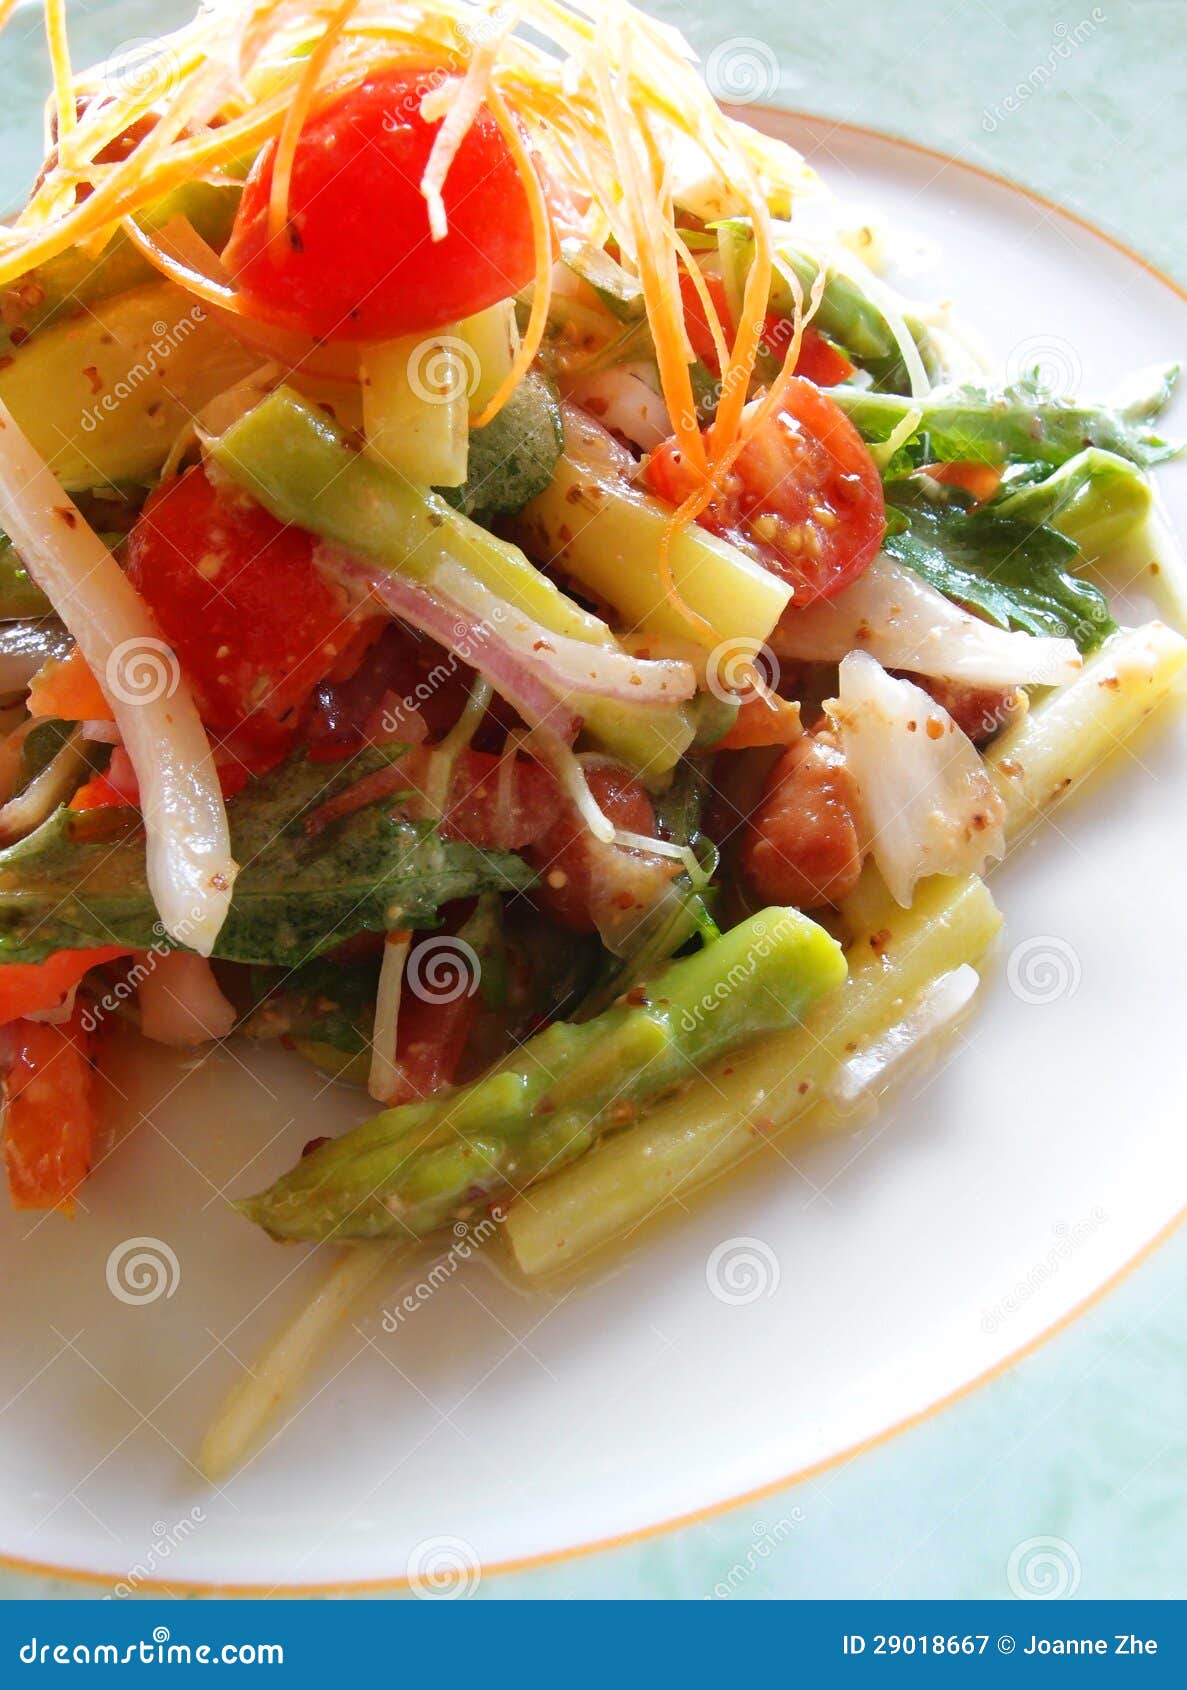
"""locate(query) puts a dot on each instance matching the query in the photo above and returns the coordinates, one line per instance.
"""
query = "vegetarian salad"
(502, 596)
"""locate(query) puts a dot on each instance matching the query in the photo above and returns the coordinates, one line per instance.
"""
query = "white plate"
(912, 1259)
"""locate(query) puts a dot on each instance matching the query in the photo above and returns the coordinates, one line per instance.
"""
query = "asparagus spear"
(413, 1168)
(301, 468)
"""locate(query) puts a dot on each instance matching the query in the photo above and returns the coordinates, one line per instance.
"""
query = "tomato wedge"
(803, 496)
(27, 987)
(238, 597)
(356, 260)
(50, 1123)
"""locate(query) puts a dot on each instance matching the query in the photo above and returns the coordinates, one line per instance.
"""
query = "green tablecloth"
(1085, 1440)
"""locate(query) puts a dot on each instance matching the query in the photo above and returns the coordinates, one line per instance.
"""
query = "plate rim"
(761, 116)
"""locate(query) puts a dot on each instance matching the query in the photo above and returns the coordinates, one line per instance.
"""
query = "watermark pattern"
(142, 1270)
(141, 671)
(1068, 1239)
(443, 970)
(442, 369)
(167, 337)
(467, 1241)
(1067, 39)
(166, 1539)
(742, 70)
(444, 1567)
(741, 1270)
(1043, 1568)
(142, 68)
(1051, 361)
(1043, 970)
(465, 642)
(739, 669)
(765, 1541)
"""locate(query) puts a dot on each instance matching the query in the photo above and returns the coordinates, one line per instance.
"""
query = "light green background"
(1085, 1441)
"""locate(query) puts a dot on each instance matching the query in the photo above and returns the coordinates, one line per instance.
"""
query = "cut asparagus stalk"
(413, 1168)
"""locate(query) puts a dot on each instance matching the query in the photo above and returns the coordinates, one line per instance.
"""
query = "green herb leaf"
(513, 457)
(79, 879)
(1016, 574)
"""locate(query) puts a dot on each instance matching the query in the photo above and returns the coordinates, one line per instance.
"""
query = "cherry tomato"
(238, 597)
(803, 496)
(356, 260)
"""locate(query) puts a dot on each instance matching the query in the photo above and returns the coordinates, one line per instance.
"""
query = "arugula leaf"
(79, 879)
(513, 457)
(1022, 423)
(1016, 574)
(332, 1003)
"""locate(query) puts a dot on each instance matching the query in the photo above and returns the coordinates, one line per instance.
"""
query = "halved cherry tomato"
(356, 260)
(50, 1124)
(237, 595)
(27, 987)
(804, 496)
(979, 481)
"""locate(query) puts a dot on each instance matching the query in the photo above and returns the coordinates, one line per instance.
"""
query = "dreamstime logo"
(166, 1539)
(1049, 359)
(1043, 1568)
(444, 1567)
(141, 69)
(1043, 970)
(442, 369)
(766, 936)
(466, 638)
(167, 337)
(1067, 1240)
(1066, 40)
(444, 970)
(741, 1270)
(467, 1241)
(742, 70)
(142, 1270)
(740, 669)
(765, 1541)
(142, 671)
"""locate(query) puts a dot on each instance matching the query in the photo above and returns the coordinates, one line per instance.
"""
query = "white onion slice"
(927, 804)
(623, 400)
(190, 867)
(180, 1001)
(893, 614)
(889, 1056)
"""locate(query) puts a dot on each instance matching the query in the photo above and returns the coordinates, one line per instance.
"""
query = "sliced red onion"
(455, 628)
